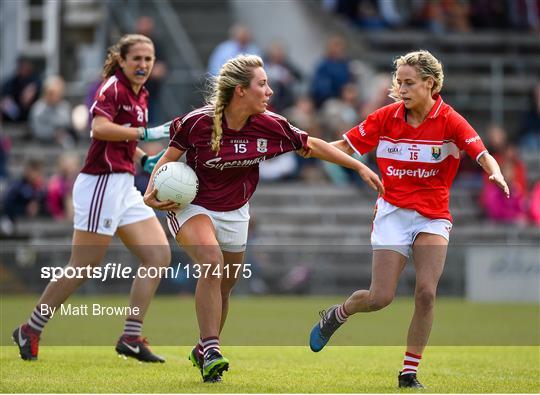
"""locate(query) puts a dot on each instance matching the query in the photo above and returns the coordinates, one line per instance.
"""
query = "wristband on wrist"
(142, 132)
(144, 158)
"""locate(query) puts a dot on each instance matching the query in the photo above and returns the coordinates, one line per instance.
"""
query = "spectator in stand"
(5, 146)
(145, 26)
(368, 16)
(497, 140)
(240, 42)
(396, 13)
(498, 207)
(428, 15)
(60, 187)
(304, 115)
(378, 98)
(50, 116)
(24, 197)
(504, 152)
(527, 14)
(342, 113)
(20, 91)
(457, 15)
(490, 14)
(534, 204)
(284, 76)
(332, 72)
(529, 131)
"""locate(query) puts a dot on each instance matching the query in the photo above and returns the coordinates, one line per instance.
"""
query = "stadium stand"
(321, 228)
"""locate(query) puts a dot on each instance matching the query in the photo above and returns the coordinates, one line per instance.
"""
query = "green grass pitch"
(475, 348)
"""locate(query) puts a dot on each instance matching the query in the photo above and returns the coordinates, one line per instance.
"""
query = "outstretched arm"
(103, 129)
(491, 167)
(322, 150)
(342, 145)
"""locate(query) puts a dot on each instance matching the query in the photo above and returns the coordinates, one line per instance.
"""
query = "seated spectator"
(368, 16)
(378, 89)
(511, 210)
(338, 116)
(50, 116)
(501, 209)
(342, 113)
(491, 14)
(20, 91)
(283, 77)
(283, 167)
(303, 116)
(5, 146)
(24, 197)
(534, 204)
(498, 146)
(332, 72)
(240, 42)
(145, 25)
(529, 131)
(430, 16)
(457, 15)
(395, 13)
(60, 187)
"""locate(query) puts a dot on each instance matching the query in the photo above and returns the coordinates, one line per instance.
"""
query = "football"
(177, 182)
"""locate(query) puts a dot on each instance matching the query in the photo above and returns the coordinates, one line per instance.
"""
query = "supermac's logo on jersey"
(436, 152)
(262, 145)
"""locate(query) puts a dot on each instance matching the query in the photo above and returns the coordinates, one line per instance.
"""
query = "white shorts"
(231, 226)
(106, 202)
(396, 228)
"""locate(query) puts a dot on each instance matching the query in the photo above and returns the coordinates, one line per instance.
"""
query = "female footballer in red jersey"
(224, 142)
(105, 199)
(418, 140)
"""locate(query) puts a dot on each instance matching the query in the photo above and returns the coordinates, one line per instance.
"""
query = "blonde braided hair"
(237, 71)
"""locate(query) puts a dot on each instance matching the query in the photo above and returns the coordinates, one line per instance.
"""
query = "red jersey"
(418, 165)
(116, 101)
(228, 180)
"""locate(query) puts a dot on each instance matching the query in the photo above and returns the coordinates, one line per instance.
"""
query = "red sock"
(410, 363)
(341, 314)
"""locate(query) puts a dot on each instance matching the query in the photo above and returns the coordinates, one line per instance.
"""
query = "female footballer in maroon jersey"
(224, 143)
(106, 201)
(418, 140)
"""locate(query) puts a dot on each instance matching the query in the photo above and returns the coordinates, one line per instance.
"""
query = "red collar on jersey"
(125, 81)
(434, 113)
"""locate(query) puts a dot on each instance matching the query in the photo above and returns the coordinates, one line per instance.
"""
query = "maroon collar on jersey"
(434, 112)
(125, 81)
(224, 124)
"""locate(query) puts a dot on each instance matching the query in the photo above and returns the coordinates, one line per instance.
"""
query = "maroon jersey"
(116, 101)
(227, 180)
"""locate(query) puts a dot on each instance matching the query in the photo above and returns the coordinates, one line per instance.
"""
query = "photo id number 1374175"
(227, 271)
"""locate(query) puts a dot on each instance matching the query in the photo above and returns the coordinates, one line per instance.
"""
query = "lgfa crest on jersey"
(436, 152)
(262, 145)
